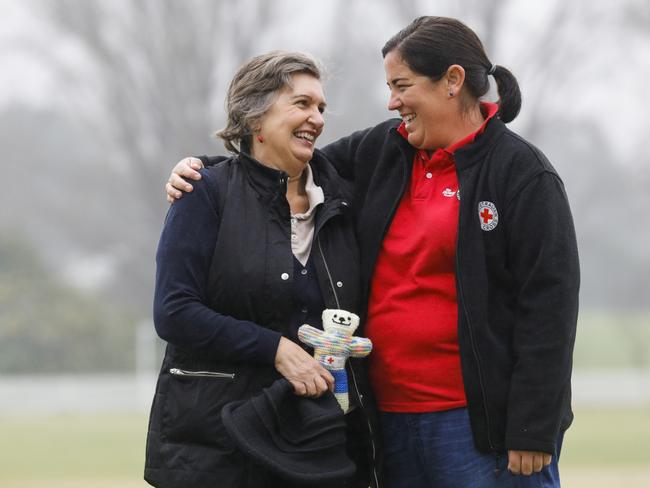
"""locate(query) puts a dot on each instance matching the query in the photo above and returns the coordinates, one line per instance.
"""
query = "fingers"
(316, 387)
(176, 185)
(527, 462)
(299, 388)
(172, 193)
(514, 462)
(311, 389)
(321, 381)
(329, 379)
(310, 376)
(187, 168)
(179, 183)
(306, 375)
(547, 458)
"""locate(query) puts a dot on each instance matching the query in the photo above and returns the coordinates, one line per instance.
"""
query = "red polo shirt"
(412, 310)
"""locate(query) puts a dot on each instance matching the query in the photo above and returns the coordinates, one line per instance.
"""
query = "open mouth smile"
(307, 136)
(408, 118)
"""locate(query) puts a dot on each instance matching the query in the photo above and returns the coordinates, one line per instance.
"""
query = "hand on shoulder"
(176, 184)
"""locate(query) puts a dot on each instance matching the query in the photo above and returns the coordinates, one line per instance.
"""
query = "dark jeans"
(436, 450)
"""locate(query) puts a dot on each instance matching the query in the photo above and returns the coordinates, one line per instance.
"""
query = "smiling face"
(423, 104)
(291, 126)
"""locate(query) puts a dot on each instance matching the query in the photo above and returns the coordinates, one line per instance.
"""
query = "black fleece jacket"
(517, 283)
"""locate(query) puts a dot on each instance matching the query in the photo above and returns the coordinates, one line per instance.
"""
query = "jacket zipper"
(203, 374)
(354, 378)
(472, 341)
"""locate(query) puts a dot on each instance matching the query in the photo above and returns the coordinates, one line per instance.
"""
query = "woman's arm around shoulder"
(348, 153)
(187, 169)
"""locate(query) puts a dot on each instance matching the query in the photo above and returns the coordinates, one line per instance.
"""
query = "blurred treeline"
(131, 86)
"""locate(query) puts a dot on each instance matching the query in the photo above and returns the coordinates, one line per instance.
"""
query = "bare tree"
(156, 68)
(145, 82)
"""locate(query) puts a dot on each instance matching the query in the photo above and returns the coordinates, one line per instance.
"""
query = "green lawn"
(103, 451)
(614, 438)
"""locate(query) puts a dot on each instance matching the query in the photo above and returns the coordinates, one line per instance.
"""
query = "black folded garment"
(300, 439)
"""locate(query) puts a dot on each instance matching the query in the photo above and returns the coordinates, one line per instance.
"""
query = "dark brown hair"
(430, 45)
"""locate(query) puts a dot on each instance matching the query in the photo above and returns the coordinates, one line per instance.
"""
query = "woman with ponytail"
(470, 270)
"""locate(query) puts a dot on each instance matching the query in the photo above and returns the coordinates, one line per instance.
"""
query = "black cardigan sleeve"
(181, 315)
(544, 258)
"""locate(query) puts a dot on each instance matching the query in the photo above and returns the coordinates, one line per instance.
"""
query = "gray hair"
(253, 89)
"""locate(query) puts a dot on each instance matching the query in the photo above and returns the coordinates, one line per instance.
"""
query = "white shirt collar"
(315, 195)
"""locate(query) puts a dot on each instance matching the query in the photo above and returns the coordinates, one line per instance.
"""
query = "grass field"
(604, 448)
(612, 340)
(97, 451)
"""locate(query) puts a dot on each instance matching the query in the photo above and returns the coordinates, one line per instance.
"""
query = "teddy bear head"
(335, 319)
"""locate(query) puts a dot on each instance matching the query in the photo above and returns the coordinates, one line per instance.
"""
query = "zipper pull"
(203, 374)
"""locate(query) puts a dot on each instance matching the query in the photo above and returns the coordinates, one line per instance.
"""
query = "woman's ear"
(455, 77)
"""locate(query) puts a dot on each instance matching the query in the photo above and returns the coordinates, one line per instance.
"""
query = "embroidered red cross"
(487, 216)
(330, 359)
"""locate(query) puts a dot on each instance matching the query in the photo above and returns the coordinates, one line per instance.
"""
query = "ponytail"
(509, 93)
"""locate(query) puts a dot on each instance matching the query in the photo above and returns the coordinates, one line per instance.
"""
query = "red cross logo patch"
(488, 215)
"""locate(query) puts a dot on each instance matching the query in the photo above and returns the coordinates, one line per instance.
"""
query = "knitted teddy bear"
(334, 344)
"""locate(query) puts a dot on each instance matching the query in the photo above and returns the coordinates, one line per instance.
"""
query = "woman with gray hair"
(262, 245)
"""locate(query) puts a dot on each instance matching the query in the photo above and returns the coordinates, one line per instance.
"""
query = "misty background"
(100, 98)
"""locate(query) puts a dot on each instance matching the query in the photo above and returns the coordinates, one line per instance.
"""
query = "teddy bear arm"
(311, 336)
(360, 347)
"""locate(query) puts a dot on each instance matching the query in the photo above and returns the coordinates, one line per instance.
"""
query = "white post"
(145, 363)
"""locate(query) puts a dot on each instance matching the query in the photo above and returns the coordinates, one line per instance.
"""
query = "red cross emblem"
(330, 359)
(488, 215)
